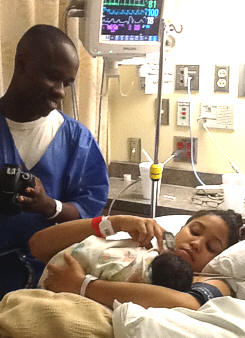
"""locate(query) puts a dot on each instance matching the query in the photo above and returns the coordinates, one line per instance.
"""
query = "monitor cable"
(120, 193)
(73, 11)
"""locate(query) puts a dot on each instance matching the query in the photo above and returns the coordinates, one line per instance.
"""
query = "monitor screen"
(121, 28)
(130, 20)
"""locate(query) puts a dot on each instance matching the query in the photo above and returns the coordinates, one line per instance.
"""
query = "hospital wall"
(213, 34)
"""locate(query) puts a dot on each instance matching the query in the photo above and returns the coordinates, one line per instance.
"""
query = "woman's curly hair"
(232, 219)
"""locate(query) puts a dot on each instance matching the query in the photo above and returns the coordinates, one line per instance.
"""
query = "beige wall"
(213, 34)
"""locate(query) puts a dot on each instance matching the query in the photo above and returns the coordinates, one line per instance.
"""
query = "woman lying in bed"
(205, 235)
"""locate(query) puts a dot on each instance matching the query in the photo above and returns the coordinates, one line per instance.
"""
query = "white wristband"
(106, 228)
(58, 209)
(85, 283)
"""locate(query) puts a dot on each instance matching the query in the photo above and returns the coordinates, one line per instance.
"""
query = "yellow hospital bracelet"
(85, 283)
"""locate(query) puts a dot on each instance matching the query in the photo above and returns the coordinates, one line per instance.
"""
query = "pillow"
(172, 223)
(231, 263)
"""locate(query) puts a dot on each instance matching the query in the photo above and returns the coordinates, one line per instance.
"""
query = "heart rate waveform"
(123, 11)
(127, 21)
(137, 12)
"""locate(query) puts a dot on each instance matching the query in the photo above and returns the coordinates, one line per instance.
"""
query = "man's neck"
(14, 111)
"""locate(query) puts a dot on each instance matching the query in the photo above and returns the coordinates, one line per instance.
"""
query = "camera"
(13, 182)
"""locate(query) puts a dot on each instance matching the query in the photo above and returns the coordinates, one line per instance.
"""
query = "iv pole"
(156, 169)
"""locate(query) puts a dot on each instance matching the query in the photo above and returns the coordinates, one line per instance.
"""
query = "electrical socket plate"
(134, 149)
(181, 74)
(221, 79)
(184, 143)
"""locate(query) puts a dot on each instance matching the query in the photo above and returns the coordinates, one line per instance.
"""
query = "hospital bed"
(42, 313)
(220, 317)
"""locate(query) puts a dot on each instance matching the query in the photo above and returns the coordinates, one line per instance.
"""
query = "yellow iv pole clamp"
(156, 172)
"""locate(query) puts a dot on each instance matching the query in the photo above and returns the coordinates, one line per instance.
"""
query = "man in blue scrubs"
(71, 179)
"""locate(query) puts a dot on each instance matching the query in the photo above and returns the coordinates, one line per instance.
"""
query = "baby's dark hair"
(171, 271)
(232, 219)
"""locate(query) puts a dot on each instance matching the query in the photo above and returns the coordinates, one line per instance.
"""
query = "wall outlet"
(134, 149)
(221, 79)
(184, 144)
(181, 74)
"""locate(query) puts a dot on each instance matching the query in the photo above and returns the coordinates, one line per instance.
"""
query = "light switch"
(134, 149)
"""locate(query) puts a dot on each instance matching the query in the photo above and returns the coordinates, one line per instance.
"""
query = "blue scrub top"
(71, 170)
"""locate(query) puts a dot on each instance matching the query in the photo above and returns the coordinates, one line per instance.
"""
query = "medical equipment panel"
(184, 144)
(183, 113)
(182, 74)
(218, 116)
(121, 27)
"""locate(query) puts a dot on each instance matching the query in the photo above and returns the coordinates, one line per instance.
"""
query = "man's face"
(45, 78)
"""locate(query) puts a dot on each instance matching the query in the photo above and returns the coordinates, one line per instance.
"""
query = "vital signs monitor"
(121, 29)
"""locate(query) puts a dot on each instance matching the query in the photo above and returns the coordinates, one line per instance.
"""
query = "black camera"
(13, 182)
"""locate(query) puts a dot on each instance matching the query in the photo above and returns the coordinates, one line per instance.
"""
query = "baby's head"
(171, 271)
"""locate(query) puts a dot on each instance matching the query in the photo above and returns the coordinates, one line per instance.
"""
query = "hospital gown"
(72, 170)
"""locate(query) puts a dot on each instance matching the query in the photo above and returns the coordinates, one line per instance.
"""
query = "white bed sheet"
(218, 318)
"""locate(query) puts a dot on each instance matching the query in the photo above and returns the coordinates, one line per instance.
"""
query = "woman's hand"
(67, 278)
(140, 229)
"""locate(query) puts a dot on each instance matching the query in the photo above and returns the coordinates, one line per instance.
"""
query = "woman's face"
(203, 238)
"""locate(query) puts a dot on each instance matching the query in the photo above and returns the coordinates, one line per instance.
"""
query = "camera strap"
(4, 253)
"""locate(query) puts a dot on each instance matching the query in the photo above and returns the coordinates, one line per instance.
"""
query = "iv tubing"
(190, 125)
(73, 89)
(100, 102)
(119, 194)
(233, 165)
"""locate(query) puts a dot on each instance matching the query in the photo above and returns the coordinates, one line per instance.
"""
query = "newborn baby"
(124, 260)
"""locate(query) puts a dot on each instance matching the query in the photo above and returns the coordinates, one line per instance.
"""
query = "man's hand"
(36, 200)
(67, 278)
(140, 229)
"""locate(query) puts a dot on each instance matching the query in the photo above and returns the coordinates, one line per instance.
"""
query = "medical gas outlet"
(183, 113)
